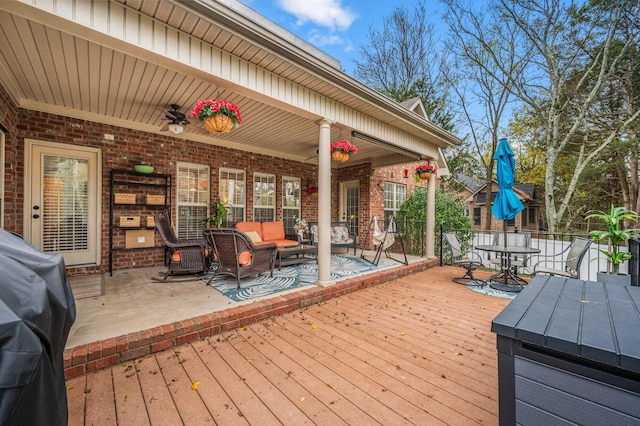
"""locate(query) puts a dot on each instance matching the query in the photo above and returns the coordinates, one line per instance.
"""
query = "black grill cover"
(36, 313)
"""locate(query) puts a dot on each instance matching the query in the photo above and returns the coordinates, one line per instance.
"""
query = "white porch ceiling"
(78, 72)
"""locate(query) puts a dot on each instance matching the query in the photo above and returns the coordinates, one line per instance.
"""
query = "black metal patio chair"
(459, 258)
(568, 267)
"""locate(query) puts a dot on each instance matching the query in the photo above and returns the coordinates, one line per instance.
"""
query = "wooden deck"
(417, 350)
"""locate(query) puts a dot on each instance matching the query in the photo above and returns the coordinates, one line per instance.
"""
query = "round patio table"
(507, 279)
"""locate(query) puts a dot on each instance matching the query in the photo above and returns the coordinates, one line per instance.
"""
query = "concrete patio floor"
(416, 349)
(139, 299)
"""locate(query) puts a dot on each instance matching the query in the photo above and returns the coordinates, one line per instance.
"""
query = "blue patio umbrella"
(507, 205)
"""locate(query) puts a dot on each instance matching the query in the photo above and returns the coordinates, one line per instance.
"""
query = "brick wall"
(131, 147)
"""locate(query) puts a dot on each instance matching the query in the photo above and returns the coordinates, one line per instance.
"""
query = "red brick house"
(87, 88)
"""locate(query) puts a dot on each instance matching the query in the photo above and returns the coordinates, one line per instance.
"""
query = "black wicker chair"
(236, 254)
(182, 255)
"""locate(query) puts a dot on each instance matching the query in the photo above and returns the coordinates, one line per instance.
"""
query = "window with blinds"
(290, 202)
(264, 197)
(192, 187)
(65, 204)
(232, 195)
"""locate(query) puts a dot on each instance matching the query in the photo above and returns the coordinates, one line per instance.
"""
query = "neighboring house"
(527, 219)
(86, 87)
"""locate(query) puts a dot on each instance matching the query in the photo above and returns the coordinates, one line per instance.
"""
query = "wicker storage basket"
(155, 199)
(129, 221)
(151, 222)
(120, 198)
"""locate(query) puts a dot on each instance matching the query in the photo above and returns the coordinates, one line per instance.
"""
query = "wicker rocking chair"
(237, 255)
(182, 255)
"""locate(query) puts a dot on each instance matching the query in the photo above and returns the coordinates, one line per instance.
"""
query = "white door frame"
(342, 215)
(32, 234)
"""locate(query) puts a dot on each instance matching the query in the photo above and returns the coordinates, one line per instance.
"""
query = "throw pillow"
(244, 258)
(254, 236)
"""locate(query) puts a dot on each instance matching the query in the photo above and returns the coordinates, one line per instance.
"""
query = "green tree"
(449, 215)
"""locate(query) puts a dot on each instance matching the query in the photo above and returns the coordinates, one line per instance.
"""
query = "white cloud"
(326, 13)
(322, 39)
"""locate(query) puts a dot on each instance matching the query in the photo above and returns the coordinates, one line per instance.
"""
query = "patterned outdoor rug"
(290, 277)
(487, 290)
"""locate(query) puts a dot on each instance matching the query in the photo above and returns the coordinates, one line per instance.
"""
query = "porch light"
(175, 128)
(406, 173)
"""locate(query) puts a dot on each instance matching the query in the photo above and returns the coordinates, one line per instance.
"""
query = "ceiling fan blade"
(165, 128)
(315, 155)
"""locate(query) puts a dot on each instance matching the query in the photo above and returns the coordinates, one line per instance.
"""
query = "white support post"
(324, 204)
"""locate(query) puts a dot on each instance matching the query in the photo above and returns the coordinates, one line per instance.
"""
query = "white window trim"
(227, 202)
(275, 195)
(179, 204)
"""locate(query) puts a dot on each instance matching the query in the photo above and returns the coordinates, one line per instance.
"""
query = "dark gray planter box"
(569, 353)
(617, 279)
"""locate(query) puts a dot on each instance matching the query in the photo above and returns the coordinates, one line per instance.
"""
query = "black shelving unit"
(140, 184)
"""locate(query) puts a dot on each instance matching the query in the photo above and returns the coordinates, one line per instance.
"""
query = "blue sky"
(337, 27)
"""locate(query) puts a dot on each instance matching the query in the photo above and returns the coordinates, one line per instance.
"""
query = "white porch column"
(431, 215)
(324, 204)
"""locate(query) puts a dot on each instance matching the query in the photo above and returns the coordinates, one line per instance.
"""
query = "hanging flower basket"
(424, 172)
(342, 150)
(218, 123)
(339, 156)
(218, 115)
(313, 191)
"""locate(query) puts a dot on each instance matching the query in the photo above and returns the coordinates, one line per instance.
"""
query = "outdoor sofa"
(268, 232)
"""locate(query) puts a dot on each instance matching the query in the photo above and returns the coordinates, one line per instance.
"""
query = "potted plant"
(424, 171)
(342, 150)
(614, 235)
(219, 212)
(218, 115)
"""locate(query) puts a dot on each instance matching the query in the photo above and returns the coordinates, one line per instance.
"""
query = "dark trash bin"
(36, 313)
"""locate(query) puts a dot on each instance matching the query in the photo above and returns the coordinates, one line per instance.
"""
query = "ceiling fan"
(177, 120)
(314, 155)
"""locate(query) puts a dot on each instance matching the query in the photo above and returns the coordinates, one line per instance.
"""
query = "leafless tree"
(565, 57)
(481, 88)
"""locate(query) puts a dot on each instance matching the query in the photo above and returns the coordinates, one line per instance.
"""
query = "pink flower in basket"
(344, 146)
(210, 107)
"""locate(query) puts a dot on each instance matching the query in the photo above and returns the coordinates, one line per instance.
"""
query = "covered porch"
(99, 77)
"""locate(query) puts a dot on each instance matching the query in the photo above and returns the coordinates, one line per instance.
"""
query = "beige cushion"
(255, 237)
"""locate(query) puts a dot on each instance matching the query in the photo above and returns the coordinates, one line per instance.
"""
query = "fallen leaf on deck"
(194, 385)
(313, 325)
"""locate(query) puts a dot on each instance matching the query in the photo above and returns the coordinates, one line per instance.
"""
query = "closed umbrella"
(507, 205)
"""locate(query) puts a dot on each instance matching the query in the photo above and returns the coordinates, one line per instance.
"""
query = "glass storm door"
(62, 214)
(350, 205)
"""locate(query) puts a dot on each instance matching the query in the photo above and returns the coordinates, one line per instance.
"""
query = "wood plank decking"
(416, 350)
